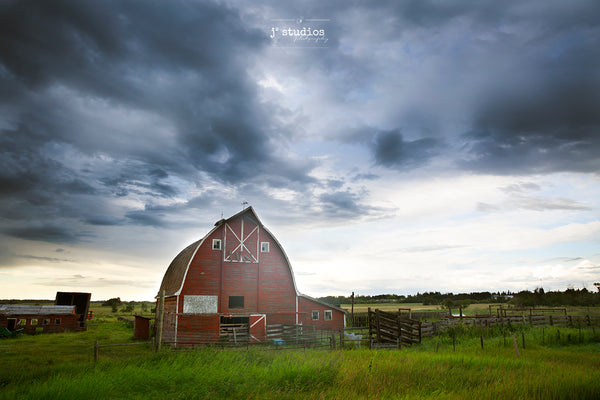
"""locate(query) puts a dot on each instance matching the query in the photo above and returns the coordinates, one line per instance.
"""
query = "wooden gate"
(393, 329)
(258, 327)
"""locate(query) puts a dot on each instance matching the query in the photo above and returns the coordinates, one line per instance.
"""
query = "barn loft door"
(241, 241)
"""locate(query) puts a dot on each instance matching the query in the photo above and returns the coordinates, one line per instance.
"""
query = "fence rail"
(429, 328)
(387, 329)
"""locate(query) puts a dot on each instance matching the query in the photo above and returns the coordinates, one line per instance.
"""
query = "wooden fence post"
(352, 310)
(159, 322)
(377, 324)
(95, 350)
(516, 347)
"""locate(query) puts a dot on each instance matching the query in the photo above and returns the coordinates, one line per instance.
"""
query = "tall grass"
(60, 366)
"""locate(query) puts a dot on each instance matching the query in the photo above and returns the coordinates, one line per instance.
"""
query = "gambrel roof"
(174, 278)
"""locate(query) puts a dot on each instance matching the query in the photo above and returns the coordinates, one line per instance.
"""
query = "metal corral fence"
(277, 337)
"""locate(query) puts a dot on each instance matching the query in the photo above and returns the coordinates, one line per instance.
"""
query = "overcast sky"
(396, 147)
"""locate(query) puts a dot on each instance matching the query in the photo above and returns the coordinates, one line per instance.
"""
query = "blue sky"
(415, 146)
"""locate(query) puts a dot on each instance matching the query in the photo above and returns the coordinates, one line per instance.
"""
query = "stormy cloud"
(127, 126)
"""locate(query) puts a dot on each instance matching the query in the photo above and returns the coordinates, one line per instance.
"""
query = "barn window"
(46, 321)
(236, 301)
(216, 244)
(315, 315)
(327, 316)
(264, 247)
(22, 322)
(34, 321)
(57, 321)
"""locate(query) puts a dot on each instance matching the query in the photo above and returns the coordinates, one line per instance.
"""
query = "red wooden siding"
(169, 319)
(68, 322)
(306, 306)
(195, 328)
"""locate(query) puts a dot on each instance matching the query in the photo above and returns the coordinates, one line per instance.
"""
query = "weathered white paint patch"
(195, 304)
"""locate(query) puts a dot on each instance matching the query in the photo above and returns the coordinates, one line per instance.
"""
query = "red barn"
(237, 275)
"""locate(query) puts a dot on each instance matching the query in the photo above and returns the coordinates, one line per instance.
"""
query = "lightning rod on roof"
(244, 204)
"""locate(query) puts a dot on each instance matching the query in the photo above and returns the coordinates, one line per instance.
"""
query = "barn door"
(234, 329)
(258, 327)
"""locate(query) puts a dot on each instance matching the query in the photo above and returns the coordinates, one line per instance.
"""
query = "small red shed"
(141, 327)
(238, 275)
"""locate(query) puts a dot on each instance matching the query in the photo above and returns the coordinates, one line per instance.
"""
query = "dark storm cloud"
(139, 103)
(540, 115)
(553, 127)
(521, 76)
(342, 204)
(116, 99)
(392, 151)
(103, 220)
(47, 233)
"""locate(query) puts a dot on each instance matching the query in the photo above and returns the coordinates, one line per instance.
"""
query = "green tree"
(114, 303)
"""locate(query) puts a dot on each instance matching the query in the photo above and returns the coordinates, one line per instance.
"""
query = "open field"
(451, 366)
(472, 309)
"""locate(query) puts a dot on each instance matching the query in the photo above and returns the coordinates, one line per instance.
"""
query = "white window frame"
(34, 321)
(57, 321)
(327, 315)
(217, 244)
(313, 313)
(264, 247)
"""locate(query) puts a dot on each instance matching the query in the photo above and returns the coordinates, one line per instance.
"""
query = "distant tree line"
(427, 298)
(570, 297)
(525, 298)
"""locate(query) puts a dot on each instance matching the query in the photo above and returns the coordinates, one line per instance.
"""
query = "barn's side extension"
(239, 276)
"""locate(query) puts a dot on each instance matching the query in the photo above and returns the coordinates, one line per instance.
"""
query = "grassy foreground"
(60, 366)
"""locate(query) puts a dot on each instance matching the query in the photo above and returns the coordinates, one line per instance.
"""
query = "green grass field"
(556, 363)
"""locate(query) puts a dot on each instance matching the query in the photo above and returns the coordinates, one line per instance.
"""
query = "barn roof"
(174, 277)
(175, 274)
(27, 309)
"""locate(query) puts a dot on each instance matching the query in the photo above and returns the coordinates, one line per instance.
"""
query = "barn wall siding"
(306, 306)
(68, 322)
(169, 319)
